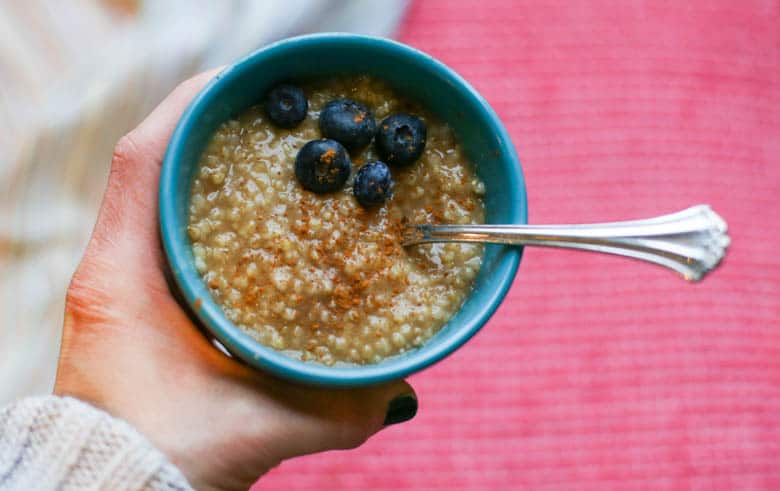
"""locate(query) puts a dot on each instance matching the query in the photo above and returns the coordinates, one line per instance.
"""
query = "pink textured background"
(599, 373)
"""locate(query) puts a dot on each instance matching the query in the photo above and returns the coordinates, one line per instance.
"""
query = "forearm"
(62, 443)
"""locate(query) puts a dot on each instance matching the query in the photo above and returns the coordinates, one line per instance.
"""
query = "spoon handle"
(691, 242)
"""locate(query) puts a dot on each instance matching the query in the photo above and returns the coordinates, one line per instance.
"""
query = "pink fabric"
(598, 372)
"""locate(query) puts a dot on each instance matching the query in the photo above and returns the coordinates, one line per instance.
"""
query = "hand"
(128, 347)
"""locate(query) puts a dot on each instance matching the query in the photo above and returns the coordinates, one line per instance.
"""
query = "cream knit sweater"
(60, 443)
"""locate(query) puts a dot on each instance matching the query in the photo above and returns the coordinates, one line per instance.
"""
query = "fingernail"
(402, 408)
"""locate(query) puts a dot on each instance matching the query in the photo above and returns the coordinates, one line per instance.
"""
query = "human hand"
(129, 348)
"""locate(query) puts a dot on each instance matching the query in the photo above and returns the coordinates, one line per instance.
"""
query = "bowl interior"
(416, 76)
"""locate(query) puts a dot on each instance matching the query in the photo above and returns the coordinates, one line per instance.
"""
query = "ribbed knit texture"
(600, 373)
(53, 443)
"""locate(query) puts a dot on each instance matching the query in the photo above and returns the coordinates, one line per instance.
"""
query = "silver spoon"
(691, 242)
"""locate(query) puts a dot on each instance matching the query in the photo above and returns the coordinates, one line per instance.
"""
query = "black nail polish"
(402, 408)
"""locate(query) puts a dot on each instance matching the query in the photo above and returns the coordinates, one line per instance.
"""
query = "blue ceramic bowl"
(416, 76)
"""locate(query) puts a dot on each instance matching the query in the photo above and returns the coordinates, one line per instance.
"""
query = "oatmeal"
(318, 276)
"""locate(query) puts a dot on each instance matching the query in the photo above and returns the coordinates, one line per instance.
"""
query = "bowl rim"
(240, 344)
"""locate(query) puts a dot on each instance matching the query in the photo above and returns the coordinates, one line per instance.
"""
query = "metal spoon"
(691, 242)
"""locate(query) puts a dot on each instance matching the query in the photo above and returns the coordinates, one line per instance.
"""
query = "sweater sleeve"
(61, 443)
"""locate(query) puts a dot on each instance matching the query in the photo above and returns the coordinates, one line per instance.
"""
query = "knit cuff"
(54, 442)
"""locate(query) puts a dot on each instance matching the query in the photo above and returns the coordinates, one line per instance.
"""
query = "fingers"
(152, 135)
(129, 204)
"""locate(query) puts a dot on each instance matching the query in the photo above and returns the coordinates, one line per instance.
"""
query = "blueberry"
(373, 184)
(322, 166)
(348, 122)
(401, 139)
(286, 106)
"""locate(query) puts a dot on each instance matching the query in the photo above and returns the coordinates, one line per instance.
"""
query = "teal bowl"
(416, 76)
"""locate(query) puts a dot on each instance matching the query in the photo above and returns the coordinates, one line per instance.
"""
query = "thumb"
(342, 419)
(282, 420)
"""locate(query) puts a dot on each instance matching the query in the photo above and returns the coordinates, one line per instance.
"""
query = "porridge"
(320, 273)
